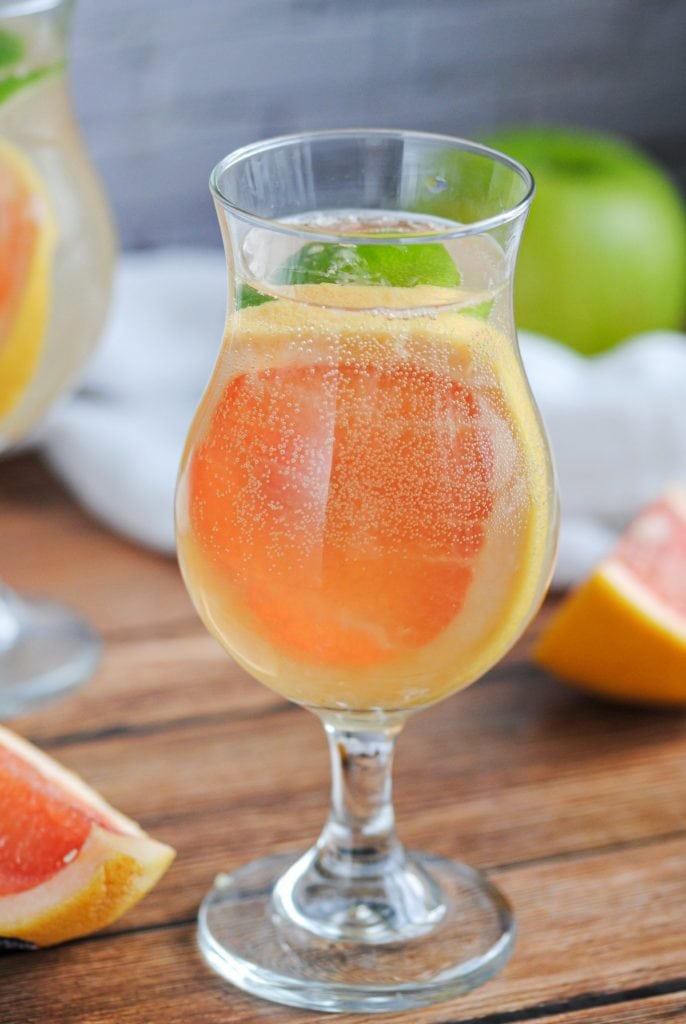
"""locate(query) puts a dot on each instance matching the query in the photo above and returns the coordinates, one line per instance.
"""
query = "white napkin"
(617, 423)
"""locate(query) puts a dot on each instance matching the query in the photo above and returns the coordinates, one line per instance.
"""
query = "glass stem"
(359, 838)
(358, 884)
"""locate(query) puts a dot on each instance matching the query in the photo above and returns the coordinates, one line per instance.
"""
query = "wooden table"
(576, 808)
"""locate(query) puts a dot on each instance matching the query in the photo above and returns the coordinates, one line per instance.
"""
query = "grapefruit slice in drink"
(28, 233)
(350, 545)
(356, 508)
(622, 634)
(69, 863)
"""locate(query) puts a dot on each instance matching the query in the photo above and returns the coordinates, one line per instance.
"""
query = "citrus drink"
(365, 521)
(365, 505)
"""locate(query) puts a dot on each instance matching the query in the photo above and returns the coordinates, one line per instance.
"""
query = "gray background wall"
(164, 88)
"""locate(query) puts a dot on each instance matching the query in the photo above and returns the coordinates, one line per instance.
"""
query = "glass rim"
(312, 233)
(15, 8)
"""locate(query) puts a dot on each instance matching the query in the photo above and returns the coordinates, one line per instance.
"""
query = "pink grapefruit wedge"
(622, 634)
(69, 863)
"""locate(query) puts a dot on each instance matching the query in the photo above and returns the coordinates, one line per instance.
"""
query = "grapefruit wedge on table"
(28, 234)
(623, 632)
(69, 863)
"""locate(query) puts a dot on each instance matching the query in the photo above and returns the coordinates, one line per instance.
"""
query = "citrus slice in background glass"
(622, 633)
(28, 233)
(69, 863)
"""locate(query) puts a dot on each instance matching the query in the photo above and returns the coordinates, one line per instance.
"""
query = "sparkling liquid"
(364, 500)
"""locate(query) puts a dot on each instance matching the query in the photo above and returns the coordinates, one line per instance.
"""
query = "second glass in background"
(58, 248)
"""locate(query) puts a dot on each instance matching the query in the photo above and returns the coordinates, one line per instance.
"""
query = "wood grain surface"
(576, 808)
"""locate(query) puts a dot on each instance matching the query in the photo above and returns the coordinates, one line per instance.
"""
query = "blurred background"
(165, 88)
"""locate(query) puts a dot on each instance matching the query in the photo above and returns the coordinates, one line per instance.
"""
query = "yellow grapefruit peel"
(23, 329)
(110, 873)
(613, 636)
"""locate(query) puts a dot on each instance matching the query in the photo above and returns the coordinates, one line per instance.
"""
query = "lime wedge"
(480, 311)
(394, 266)
(248, 296)
(13, 83)
(11, 48)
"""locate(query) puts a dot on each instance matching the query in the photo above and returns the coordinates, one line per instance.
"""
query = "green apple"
(604, 251)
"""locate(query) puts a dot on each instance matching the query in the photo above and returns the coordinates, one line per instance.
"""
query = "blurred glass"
(56, 257)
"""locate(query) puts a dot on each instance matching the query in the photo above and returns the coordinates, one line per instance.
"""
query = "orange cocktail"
(366, 522)
(364, 500)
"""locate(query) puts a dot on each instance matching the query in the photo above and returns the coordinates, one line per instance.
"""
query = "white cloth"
(617, 423)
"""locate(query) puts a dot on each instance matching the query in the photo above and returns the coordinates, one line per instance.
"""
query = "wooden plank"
(511, 770)
(659, 1009)
(49, 547)
(589, 931)
(150, 682)
(577, 807)
(178, 675)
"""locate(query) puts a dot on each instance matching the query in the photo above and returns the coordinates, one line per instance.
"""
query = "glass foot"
(248, 937)
(46, 650)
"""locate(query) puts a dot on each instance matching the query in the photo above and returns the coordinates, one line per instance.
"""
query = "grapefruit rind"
(111, 872)
(615, 637)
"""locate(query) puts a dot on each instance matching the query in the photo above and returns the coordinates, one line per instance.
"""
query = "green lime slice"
(12, 48)
(405, 266)
(14, 83)
(249, 296)
(394, 266)
(480, 310)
